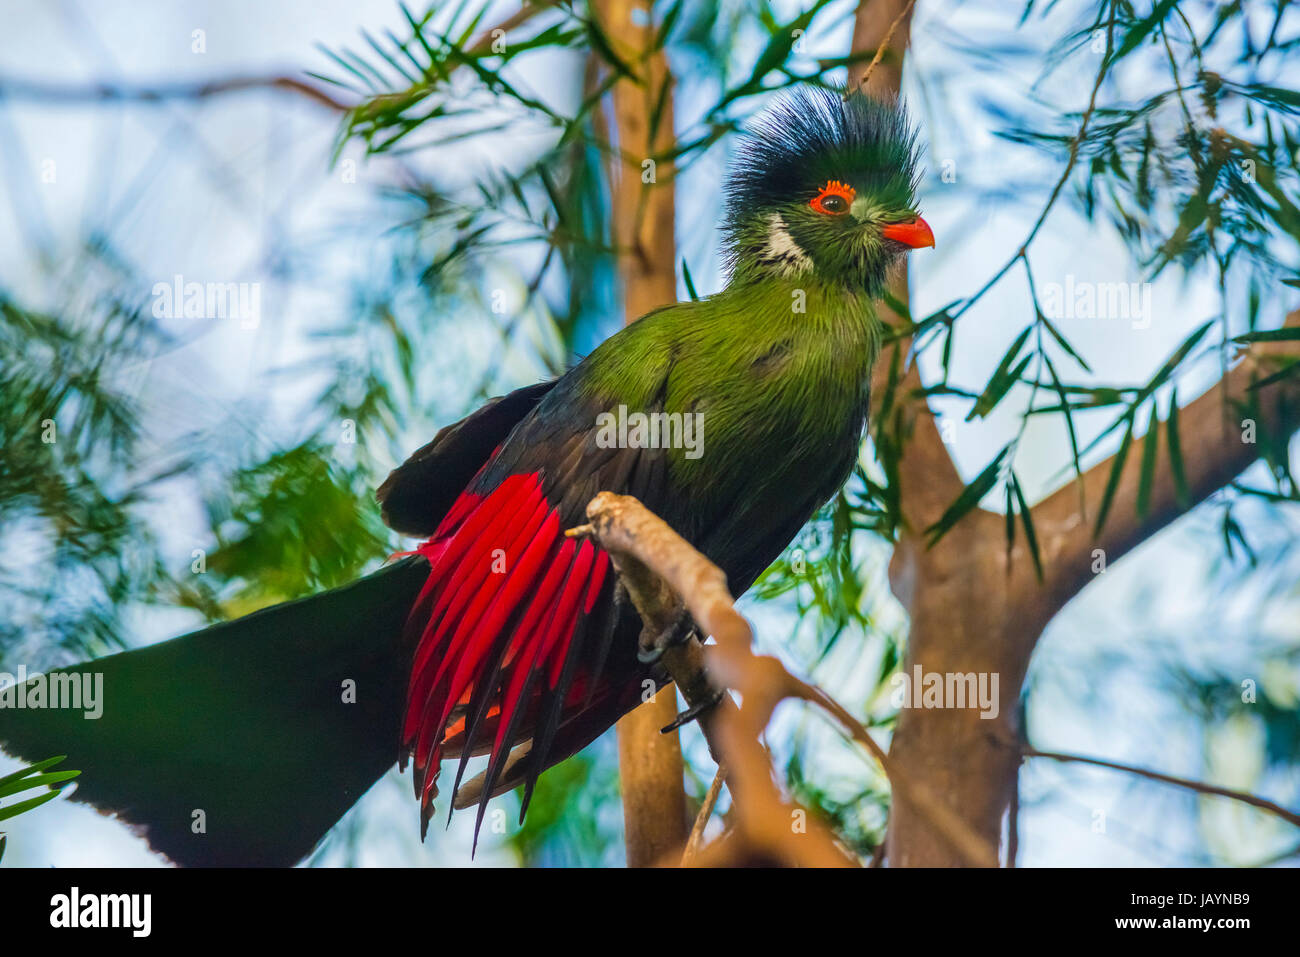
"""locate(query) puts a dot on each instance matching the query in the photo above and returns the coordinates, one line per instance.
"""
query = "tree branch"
(650, 763)
(928, 480)
(693, 843)
(157, 92)
(1213, 453)
(1200, 787)
(663, 574)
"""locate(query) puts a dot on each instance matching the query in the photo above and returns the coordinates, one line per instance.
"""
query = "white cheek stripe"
(782, 251)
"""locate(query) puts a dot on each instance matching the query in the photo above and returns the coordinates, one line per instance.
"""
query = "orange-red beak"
(915, 234)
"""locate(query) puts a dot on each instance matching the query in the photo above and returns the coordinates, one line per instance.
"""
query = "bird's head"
(825, 187)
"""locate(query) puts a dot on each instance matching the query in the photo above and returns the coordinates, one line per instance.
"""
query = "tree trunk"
(650, 763)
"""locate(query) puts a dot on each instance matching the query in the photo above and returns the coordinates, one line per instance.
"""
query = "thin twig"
(156, 93)
(884, 45)
(702, 819)
(1201, 787)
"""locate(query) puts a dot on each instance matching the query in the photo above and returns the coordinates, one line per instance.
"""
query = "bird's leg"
(653, 646)
(651, 651)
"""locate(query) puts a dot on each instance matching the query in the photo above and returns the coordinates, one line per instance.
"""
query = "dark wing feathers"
(420, 491)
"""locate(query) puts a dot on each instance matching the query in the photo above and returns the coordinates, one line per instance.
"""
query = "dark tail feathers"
(249, 727)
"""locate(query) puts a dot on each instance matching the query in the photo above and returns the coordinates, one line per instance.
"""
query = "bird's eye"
(833, 199)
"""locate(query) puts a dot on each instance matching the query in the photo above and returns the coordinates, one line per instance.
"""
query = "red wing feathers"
(501, 631)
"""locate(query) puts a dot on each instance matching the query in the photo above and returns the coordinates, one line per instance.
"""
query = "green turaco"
(734, 418)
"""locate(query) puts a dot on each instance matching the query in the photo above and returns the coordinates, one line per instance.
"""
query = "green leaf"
(686, 278)
(36, 781)
(667, 24)
(1063, 342)
(1173, 363)
(1004, 377)
(1009, 507)
(600, 45)
(1027, 520)
(1069, 417)
(1233, 532)
(1176, 468)
(969, 498)
(33, 769)
(1116, 470)
(1288, 371)
(1287, 334)
(1143, 28)
(1150, 446)
(13, 810)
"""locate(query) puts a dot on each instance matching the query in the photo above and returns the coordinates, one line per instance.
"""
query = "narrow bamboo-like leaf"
(1288, 371)
(417, 32)
(467, 33)
(600, 45)
(667, 24)
(1116, 471)
(686, 278)
(1009, 507)
(36, 781)
(1173, 362)
(1143, 28)
(13, 810)
(661, 103)
(1150, 445)
(1063, 342)
(1069, 417)
(366, 80)
(1003, 378)
(557, 203)
(969, 498)
(1287, 334)
(32, 769)
(378, 48)
(1176, 469)
(1232, 531)
(1027, 520)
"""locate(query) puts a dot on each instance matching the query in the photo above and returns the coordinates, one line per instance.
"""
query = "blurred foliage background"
(445, 238)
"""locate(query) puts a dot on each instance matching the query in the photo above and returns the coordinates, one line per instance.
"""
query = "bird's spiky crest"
(812, 135)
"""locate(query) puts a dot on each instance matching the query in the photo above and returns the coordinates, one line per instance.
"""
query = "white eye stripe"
(782, 251)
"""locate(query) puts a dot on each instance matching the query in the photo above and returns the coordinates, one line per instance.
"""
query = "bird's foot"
(678, 633)
(694, 712)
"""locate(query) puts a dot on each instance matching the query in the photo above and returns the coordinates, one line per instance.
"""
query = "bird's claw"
(679, 632)
(693, 712)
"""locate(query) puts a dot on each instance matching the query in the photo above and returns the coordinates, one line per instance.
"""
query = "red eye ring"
(834, 199)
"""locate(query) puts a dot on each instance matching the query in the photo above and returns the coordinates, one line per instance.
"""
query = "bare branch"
(650, 763)
(1200, 787)
(905, 13)
(38, 91)
(693, 843)
(80, 93)
(657, 566)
